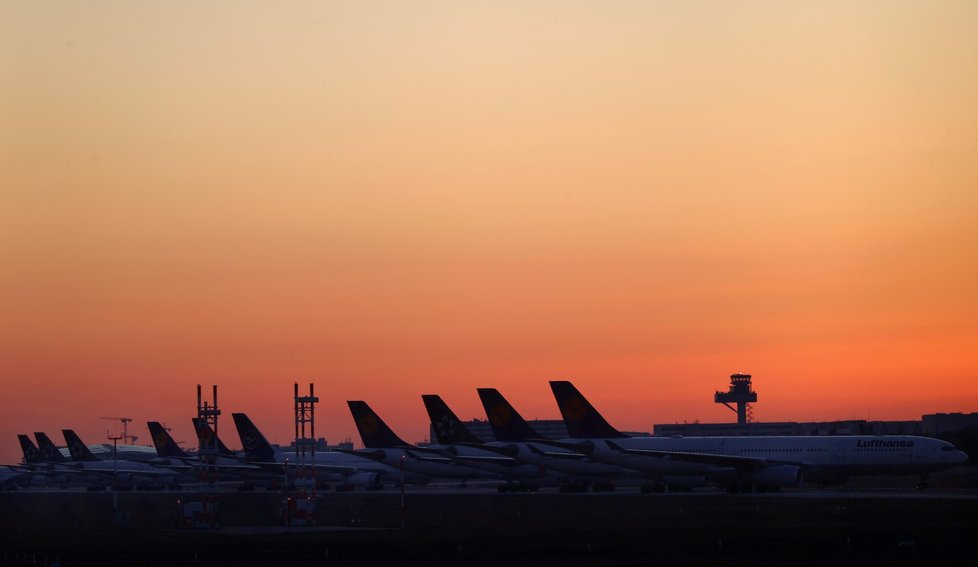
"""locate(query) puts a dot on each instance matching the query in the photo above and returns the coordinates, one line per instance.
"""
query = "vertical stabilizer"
(507, 424)
(203, 430)
(31, 455)
(256, 447)
(580, 417)
(373, 431)
(79, 451)
(446, 427)
(49, 451)
(163, 441)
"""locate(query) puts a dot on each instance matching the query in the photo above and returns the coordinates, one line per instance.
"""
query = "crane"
(125, 428)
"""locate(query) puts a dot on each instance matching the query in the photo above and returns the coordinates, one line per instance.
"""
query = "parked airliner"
(516, 437)
(350, 470)
(456, 441)
(125, 471)
(224, 464)
(749, 463)
(383, 445)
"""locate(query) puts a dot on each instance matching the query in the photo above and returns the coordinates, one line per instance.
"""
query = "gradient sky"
(397, 198)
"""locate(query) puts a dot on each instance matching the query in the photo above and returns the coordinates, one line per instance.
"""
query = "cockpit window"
(948, 448)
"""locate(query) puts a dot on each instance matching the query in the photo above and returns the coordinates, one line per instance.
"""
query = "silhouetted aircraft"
(124, 472)
(350, 470)
(383, 445)
(516, 437)
(746, 464)
(455, 441)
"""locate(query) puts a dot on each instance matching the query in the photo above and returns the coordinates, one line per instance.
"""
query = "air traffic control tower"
(741, 394)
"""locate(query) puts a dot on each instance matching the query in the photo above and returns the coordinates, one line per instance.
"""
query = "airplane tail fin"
(446, 427)
(31, 454)
(163, 441)
(256, 447)
(49, 451)
(507, 424)
(582, 420)
(373, 431)
(205, 433)
(79, 451)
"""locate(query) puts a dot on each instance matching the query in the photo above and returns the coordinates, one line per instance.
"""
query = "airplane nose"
(959, 457)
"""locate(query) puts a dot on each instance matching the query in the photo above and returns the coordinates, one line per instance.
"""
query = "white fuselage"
(853, 455)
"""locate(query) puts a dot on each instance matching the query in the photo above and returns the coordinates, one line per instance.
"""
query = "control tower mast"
(740, 393)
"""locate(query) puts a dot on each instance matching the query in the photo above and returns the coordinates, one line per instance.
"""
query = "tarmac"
(476, 525)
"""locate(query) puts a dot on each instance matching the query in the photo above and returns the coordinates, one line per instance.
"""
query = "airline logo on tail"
(76, 449)
(249, 439)
(499, 415)
(368, 423)
(445, 429)
(574, 409)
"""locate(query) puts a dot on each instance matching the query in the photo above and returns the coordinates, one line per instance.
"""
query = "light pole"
(115, 471)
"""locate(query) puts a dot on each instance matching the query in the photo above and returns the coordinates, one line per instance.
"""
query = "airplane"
(12, 477)
(45, 463)
(206, 437)
(457, 442)
(518, 438)
(40, 469)
(47, 451)
(170, 455)
(31, 454)
(383, 445)
(746, 464)
(351, 470)
(123, 473)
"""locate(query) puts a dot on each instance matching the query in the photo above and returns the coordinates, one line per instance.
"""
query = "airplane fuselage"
(848, 455)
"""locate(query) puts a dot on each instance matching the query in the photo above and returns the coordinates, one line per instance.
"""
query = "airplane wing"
(431, 458)
(372, 454)
(172, 464)
(505, 450)
(582, 447)
(733, 461)
(193, 464)
(557, 454)
(505, 461)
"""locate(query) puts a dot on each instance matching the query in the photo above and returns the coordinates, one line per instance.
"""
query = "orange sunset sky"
(396, 198)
